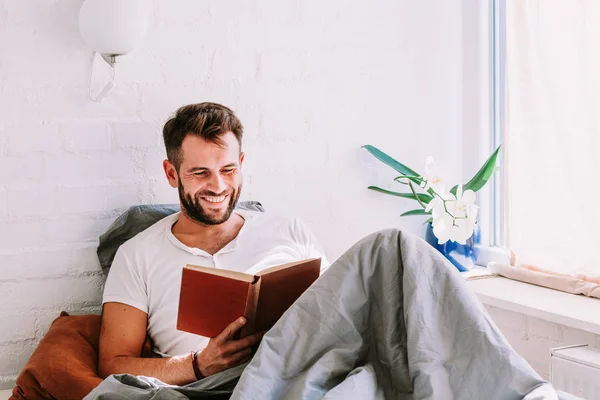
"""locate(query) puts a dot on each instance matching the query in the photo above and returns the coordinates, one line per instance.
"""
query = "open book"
(210, 298)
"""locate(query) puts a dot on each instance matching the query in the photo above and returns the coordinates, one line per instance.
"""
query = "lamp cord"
(108, 87)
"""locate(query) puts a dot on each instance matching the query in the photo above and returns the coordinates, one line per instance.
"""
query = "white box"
(576, 370)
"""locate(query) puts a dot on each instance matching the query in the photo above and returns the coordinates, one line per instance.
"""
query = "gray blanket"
(389, 319)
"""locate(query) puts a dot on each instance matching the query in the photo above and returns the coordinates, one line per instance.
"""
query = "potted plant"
(452, 224)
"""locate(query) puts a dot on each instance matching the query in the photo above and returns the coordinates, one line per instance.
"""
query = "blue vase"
(462, 256)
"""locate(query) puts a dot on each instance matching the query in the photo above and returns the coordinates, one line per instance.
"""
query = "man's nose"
(217, 184)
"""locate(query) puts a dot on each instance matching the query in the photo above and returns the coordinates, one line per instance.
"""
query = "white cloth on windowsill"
(564, 282)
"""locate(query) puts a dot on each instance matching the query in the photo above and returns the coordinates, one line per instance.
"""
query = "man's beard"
(193, 208)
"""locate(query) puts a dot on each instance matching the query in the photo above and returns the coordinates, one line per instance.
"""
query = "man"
(203, 144)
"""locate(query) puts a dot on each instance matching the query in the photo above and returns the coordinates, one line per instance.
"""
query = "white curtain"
(552, 142)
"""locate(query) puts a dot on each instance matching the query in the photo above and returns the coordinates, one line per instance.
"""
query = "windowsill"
(575, 311)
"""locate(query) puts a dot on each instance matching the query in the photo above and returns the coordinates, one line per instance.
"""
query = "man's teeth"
(214, 199)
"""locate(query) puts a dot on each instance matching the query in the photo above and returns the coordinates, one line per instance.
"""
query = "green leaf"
(415, 212)
(408, 177)
(389, 161)
(416, 179)
(425, 198)
(482, 176)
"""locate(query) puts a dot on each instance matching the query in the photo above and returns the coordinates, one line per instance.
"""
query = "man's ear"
(241, 158)
(171, 173)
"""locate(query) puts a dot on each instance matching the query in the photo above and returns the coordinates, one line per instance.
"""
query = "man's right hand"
(222, 352)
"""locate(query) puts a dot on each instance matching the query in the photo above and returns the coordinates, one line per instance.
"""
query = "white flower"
(462, 230)
(437, 205)
(454, 217)
(432, 178)
(461, 205)
(442, 221)
(443, 228)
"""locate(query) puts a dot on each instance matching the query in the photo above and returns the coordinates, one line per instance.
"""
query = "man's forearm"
(177, 370)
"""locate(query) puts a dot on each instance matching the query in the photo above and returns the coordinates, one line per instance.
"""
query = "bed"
(394, 320)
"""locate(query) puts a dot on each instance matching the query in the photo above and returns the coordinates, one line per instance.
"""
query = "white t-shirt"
(146, 271)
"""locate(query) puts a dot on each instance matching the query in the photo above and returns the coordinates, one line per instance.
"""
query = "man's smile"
(215, 200)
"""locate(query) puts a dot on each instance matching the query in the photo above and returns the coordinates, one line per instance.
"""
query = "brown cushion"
(64, 365)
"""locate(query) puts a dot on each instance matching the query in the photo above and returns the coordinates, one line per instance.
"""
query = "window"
(547, 113)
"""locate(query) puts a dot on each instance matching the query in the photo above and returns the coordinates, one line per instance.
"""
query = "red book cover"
(209, 302)
(211, 299)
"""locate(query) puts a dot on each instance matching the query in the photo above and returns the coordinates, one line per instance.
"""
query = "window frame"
(498, 93)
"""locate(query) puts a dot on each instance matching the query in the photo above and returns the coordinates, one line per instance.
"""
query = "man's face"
(209, 179)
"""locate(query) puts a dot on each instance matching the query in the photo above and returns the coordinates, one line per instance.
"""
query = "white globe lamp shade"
(113, 27)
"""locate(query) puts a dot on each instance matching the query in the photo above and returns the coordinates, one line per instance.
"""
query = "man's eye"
(229, 171)
(200, 173)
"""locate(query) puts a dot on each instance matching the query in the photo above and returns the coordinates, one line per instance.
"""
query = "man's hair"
(206, 120)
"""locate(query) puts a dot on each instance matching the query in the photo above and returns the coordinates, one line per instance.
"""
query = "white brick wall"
(533, 338)
(311, 80)
(85, 136)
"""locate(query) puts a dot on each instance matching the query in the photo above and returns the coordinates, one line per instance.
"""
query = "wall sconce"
(112, 28)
